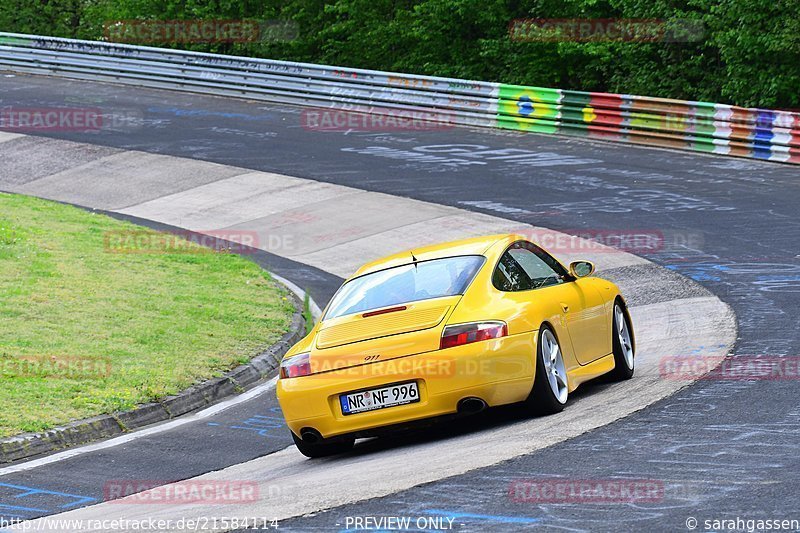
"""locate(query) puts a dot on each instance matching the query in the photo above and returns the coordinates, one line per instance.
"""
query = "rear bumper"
(499, 371)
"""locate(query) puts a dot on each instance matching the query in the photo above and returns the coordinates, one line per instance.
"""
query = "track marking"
(330, 483)
(316, 312)
(160, 428)
(325, 483)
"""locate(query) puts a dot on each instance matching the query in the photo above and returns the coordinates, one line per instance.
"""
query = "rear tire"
(325, 448)
(550, 391)
(624, 348)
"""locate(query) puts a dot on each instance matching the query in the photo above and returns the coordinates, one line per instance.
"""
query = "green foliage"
(747, 53)
(759, 50)
(308, 316)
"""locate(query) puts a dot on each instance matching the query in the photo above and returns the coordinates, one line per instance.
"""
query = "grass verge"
(308, 316)
(86, 331)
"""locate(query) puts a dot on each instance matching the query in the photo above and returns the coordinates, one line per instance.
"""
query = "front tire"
(325, 448)
(624, 347)
(550, 391)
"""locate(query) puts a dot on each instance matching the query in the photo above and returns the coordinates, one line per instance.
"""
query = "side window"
(510, 276)
(525, 266)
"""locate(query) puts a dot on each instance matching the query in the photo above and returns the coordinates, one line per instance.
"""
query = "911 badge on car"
(451, 329)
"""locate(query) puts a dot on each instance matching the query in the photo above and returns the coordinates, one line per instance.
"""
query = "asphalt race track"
(721, 448)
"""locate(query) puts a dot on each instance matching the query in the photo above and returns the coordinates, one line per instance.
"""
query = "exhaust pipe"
(310, 436)
(471, 405)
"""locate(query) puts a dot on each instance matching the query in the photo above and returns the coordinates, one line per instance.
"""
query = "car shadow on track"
(487, 420)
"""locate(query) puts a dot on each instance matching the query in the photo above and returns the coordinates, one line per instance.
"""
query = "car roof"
(471, 246)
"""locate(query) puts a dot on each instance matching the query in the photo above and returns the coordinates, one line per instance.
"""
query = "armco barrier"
(701, 126)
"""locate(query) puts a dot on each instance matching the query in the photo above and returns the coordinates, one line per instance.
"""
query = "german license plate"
(370, 400)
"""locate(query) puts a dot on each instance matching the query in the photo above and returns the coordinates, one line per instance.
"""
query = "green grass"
(133, 327)
(308, 316)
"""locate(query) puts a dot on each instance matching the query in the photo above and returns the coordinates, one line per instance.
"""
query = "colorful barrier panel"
(772, 135)
(707, 127)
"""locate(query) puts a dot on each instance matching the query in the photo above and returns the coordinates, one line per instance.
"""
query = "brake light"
(460, 334)
(384, 311)
(296, 366)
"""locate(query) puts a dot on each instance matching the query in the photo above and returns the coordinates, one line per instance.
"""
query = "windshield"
(408, 283)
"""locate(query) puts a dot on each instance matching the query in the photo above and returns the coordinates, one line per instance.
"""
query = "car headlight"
(296, 366)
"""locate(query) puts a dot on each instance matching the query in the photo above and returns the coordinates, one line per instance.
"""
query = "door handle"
(565, 307)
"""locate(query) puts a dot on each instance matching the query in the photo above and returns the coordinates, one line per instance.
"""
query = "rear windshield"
(408, 283)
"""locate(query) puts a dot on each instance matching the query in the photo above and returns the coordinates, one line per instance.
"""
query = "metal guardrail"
(701, 126)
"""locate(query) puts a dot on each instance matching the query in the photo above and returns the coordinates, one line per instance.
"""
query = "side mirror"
(581, 269)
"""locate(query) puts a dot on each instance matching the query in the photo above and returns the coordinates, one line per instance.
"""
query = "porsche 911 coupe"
(448, 330)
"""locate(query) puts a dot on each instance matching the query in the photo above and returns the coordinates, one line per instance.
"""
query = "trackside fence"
(700, 126)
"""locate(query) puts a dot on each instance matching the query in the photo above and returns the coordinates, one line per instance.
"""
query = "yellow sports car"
(451, 329)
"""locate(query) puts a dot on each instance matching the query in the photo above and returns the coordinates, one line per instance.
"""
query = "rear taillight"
(460, 334)
(296, 366)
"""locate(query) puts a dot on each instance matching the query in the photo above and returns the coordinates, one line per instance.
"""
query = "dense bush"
(748, 53)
